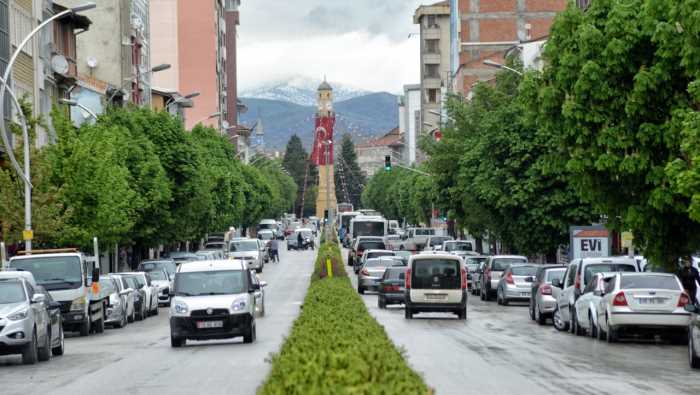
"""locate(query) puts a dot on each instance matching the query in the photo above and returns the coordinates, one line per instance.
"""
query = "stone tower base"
(322, 188)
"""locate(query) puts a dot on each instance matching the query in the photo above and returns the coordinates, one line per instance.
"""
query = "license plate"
(524, 294)
(435, 296)
(209, 324)
(652, 301)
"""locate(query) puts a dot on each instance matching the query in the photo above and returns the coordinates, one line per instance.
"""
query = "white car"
(247, 250)
(436, 283)
(643, 301)
(150, 290)
(213, 300)
(161, 280)
(586, 306)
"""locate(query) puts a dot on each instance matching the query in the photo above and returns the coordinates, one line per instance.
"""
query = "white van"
(436, 283)
(213, 300)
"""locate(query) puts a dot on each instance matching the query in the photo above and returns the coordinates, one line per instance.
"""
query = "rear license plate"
(524, 294)
(436, 296)
(652, 301)
(209, 324)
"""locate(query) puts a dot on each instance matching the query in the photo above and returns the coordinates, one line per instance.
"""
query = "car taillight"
(509, 278)
(620, 299)
(365, 272)
(683, 300)
(464, 278)
(360, 252)
(408, 279)
(546, 289)
(578, 283)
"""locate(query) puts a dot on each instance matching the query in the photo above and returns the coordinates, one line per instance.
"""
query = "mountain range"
(285, 108)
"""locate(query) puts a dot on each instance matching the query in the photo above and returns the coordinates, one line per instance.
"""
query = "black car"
(392, 287)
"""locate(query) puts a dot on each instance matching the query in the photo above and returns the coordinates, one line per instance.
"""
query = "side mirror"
(253, 288)
(263, 284)
(38, 298)
(96, 275)
(691, 308)
(556, 283)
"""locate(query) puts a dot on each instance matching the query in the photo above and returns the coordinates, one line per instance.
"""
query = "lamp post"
(491, 63)
(210, 116)
(26, 175)
(128, 81)
(74, 103)
(180, 100)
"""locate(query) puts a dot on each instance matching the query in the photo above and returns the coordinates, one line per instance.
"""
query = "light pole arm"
(87, 110)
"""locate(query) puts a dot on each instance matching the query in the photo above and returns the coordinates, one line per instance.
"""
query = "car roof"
(433, 256)
(609, 259)
(640, 274)
(377, 250)
(212, 265)
(164, 260)
(373, 238)
(18, 274)
(508, 256)
(60, 254)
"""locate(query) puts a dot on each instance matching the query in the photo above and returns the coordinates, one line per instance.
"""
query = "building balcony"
(431, 83)
(431, 33)
(431, 58)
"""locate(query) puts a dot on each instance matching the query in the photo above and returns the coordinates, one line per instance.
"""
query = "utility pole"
(327, 143)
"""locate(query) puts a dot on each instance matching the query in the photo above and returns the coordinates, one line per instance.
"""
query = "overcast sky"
(360, 43)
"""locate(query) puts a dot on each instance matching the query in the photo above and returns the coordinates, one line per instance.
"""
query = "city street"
(139, 358)
(500, 351)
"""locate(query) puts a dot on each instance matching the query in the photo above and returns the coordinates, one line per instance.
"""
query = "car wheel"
(539, 317)
(408, 313)
(360, 289)
(30, 351)
(258, 270)
(85, 327)
(58, 350)
(499, 301)
(155, 312)
(44, 353)
(532, 311)
(613, 336)
(504, 300)
(559, 324)
(462, 314)
(249, 337)
(177, 341)
(593, 329)
(100, 325)
(381, 303)
(602, 335)
(692, 351)
(132, 317)
(482, 295)
(576, 326)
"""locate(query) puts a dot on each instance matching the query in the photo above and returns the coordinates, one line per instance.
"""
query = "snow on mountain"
(299, 90)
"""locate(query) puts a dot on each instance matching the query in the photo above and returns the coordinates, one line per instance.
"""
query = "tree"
(620, 98)
(297, 163)
(349, 171)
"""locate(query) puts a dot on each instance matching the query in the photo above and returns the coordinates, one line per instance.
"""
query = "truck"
(344, 223)
(363, 225)
(72, 278)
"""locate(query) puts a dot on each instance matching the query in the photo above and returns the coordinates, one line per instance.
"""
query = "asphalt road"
(498, 350)
(138, 359)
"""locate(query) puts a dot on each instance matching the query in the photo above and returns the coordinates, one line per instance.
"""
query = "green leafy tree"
(355, 180)
(620, 98)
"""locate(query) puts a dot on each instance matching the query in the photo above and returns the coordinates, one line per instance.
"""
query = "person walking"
(300, 241)
(689, 277)
(274, 250)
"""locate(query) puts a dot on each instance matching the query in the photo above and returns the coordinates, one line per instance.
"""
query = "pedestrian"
(300, 241)
(689, 277)
(274, 250)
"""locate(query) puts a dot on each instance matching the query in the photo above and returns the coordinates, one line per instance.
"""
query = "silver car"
(543, 301)
(515, 284)
(492, 271)
(116, 313)
(128, 296)
(585, 318)
(370, 275)
(24, 319)
(247, 250)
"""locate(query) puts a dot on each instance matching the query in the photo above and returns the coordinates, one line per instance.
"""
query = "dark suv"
(363, 243)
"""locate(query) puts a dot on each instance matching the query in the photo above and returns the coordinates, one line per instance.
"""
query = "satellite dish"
(225, 124)
(59, 64)
(91, 62)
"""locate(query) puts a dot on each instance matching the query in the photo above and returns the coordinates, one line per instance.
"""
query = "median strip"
(335, 346)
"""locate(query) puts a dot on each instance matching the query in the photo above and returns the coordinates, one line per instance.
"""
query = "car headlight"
(239, 304)
(19, 315)
(78, 304)
(180, 308)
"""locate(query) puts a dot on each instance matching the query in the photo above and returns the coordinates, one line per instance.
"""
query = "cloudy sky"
(360, 43)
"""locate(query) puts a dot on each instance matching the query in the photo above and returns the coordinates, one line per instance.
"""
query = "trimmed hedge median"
(336, 347)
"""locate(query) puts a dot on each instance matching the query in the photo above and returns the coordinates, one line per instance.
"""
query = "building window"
(432, 95)
(20, 27)
(431, 21)
(432, 46)
(431, 71)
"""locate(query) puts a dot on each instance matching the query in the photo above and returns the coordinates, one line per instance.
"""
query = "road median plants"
(335, 346)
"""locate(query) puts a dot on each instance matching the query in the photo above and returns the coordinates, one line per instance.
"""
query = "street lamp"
(27, 234)
(153, 69)
(491, 63)
(74, 103)
(180, 100)
(210, 116)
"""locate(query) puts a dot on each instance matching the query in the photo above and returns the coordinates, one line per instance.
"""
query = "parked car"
(56, 336)
(403, 255)
(115, 312)
(363, 243)
(139, 293)
(144, 301)
(127, 295)
(372, 271)
(694, 335)
(151, 289)
(306, 236)
(435, 243)
(585, 318)
(392, 242)
(215, 245)
(474, 265)
(204, 255)
(161, 280)
(259, 293)
(24, 319)
(247, 250)
(515, 283)
(578, 274)
(633, 302)
(168, 264)
(493, 269)
(392, 288)
(182, 256)
(368, 254)
(436, 283)
(227, 311)
(543, 299)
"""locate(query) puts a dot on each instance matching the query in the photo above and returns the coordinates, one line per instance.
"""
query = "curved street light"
(128, 81)
(491, 63)
(180, 100)
(74, 103)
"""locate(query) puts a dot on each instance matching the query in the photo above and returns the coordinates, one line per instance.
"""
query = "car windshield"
(158, 275)
(472, 267)
(436, 273)
(524, 270)
(244, 245)
(553, 274)
(170, 267)
(458, 246)
(370, 228)
(218, 282)
(649, 282)
(436, 241)
(501, 264)
(138, 281)
(61, 272)
(590, 270)
(265, 235)
(395, 273)
(107, 285)
(375, 262)
(376, 254)
(11, 292)
(371, 245)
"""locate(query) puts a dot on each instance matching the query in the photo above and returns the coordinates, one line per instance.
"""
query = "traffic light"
(387, 163)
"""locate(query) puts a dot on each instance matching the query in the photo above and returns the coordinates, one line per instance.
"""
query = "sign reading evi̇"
(589, 241)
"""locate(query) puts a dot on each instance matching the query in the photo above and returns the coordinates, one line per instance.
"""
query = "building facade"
(371, 154)
(410, 116)
(435, 73)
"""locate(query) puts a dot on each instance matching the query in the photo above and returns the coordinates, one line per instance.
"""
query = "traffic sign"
(27, 234)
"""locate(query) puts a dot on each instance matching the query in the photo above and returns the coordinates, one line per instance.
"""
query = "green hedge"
(332, 251)
(336, 347)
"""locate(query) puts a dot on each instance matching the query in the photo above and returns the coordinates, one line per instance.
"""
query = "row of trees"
(401, 194)
(608, 132)
(138, 177)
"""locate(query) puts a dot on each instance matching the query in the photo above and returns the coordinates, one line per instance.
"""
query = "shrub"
(326, 251)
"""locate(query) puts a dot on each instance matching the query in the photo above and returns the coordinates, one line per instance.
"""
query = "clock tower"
(322, 154)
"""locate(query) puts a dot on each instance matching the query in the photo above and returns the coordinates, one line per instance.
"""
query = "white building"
(410, 120)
